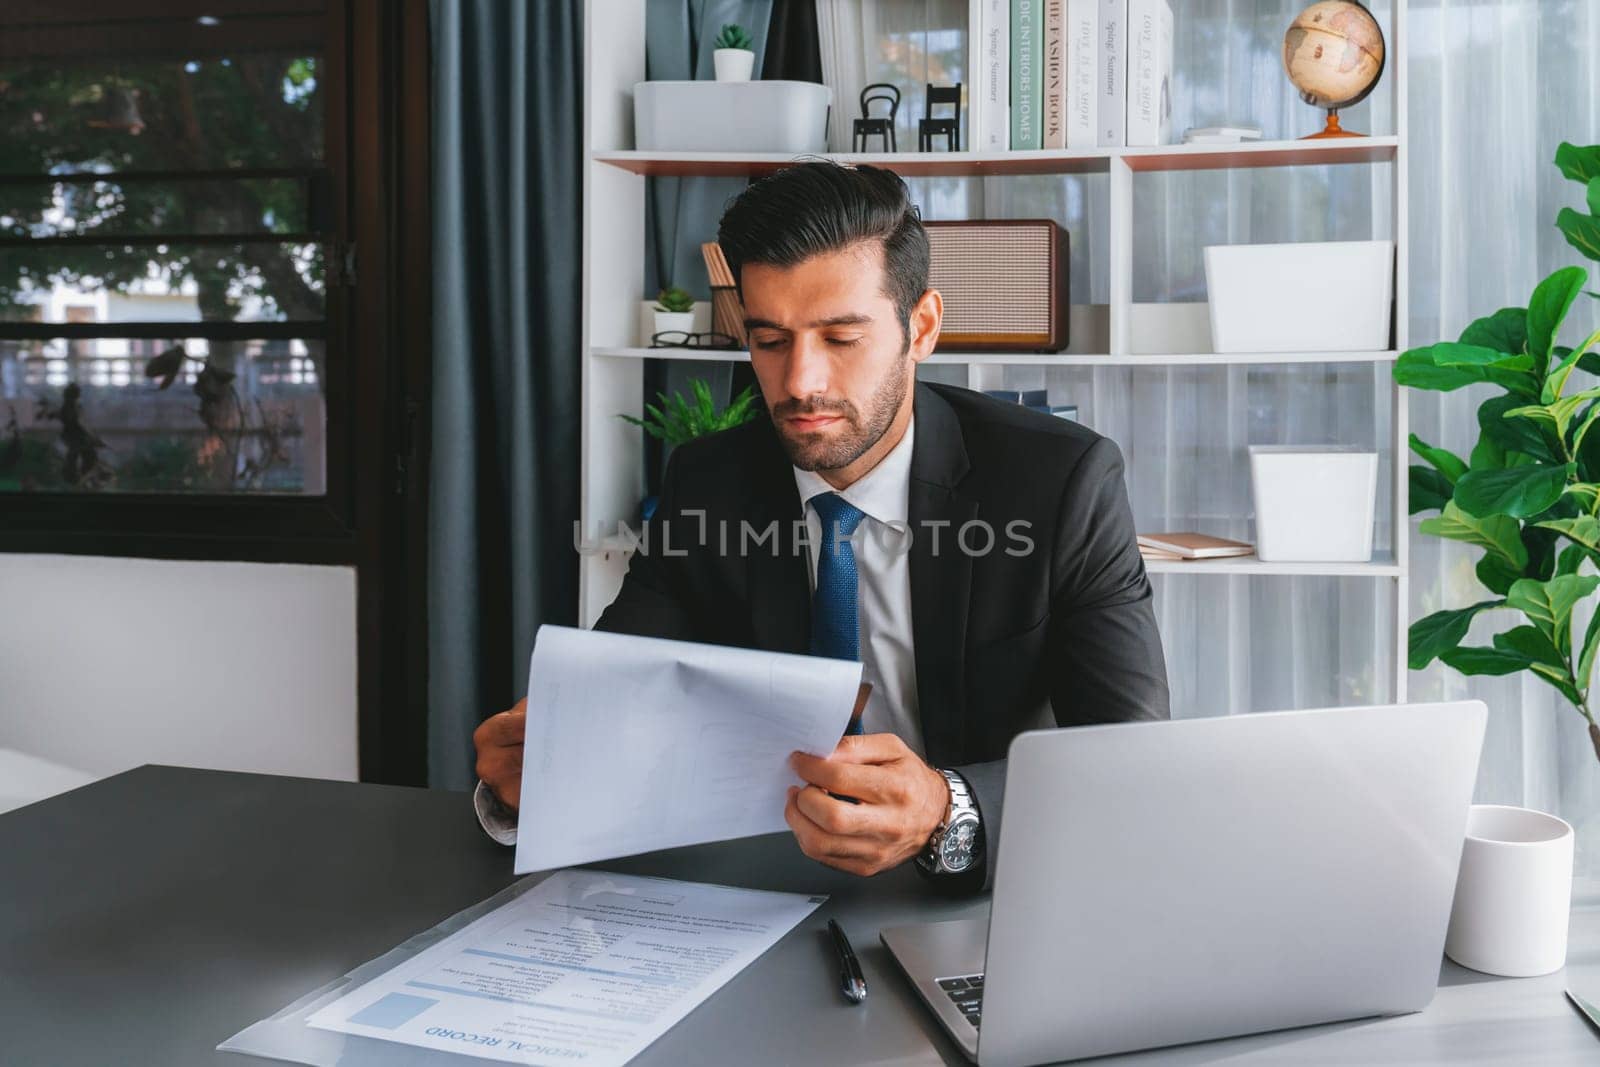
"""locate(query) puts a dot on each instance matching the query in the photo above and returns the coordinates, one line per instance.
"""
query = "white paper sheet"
(638, 743)
(586, 967)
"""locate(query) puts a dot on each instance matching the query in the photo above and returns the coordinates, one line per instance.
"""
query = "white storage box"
(1330, 297)
(1313, 505)
(704, 116)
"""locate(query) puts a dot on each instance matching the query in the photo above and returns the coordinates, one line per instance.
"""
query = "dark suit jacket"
(1062, 635)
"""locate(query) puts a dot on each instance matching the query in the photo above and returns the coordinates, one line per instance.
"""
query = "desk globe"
(1334, 54)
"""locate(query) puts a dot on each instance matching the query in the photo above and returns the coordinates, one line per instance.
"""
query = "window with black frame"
(167, 251)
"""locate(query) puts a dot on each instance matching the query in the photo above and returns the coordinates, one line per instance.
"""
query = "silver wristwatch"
(957, 843)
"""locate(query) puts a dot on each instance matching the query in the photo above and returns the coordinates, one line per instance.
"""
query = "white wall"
(106, 664)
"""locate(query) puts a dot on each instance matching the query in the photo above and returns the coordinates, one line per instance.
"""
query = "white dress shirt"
(883, 612)
(883, 572)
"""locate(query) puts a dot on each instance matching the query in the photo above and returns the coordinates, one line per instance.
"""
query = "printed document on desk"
(585, 967)
(638, 743)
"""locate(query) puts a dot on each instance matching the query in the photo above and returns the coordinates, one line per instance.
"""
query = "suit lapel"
(941, 583)
(777, 577)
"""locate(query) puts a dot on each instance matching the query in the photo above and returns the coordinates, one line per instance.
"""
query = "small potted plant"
(678, 420)
(674, 311)
(734, 58)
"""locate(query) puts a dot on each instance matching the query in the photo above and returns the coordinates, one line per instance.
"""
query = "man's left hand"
(902, 801)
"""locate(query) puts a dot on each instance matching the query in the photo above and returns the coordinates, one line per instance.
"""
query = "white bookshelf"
(1043, 359)
(1120, 334)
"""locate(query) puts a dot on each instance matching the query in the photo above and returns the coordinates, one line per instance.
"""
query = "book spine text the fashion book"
(1113, 73)
(1083, 17)
(1027, 39)
(1054, 104)
(1149, 72)
(995, 77)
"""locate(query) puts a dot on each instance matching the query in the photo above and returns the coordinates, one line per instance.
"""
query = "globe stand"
(1332, 129)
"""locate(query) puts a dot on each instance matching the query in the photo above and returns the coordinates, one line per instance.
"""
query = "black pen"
(851, 981)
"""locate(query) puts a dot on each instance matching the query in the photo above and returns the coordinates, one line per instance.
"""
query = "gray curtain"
(507, 111)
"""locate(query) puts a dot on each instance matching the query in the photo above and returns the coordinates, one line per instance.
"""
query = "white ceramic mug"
(1513, 893)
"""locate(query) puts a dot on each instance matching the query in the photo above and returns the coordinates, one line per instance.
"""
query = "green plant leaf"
(1580, 163)
(1496, 573)
(1504, 331)
(1582, 495)
(1548, 605)
(1557, 414)
(1591, 643)
(1594, 196)
(1455, 354)
(1430, 490)
(1541, 546)
(1443, 460)
(1512, 435)
(1556, 380)
(1558, 678)
(1433, 635)
(1515, 491)
(1582, 231)
(1548, 307)
(1589, 361)
(1583, 530)
(1449, 365)
(1584, 425)
(1497, 533)
(1531, 643)
(1487, 455)
(1571, 559)
(1470, 659)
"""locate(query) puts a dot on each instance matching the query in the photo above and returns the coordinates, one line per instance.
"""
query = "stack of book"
(1069, 74)
(1190, 546)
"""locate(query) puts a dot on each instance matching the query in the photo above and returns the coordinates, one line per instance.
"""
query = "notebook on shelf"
(1190, 546)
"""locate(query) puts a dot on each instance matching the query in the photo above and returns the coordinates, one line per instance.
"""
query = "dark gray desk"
(146, 918)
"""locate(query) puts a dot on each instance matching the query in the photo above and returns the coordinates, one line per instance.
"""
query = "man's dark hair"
(817, 207)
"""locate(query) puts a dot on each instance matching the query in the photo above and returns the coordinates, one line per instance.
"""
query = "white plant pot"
(1328, 297)
(1513, 893)
(733, 64)
(674, 320)
(1313, 505)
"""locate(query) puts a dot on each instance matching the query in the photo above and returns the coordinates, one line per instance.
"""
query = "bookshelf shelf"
(1249, 566)
(620, 546)
(1115, 328)
(1042, 359)
(1182, 157)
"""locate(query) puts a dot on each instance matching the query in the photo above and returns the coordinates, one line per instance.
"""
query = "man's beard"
(812, 452)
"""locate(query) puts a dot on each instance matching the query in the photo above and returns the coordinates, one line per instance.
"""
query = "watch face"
(956, 850)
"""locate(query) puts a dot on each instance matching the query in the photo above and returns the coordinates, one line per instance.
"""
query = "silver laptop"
(1167, 882)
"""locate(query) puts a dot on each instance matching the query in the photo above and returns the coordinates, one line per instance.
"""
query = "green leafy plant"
(678, 420)
(734, 36)
(1529, 492)
(674, 299)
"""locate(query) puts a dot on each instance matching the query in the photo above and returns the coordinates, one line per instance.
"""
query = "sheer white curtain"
(1495, 86)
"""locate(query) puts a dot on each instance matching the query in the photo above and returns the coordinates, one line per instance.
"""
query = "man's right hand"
(499, 743)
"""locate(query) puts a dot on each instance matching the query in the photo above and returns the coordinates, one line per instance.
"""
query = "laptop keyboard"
(966, 993)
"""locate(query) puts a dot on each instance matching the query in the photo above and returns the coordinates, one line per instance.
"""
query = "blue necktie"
(835, 630)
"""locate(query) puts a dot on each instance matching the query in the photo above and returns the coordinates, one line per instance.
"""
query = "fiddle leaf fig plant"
(1528, 495)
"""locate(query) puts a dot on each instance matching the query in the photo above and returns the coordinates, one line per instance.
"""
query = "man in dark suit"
(977, 557)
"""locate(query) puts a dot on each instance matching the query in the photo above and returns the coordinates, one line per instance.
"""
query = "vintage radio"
(1004, 283)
